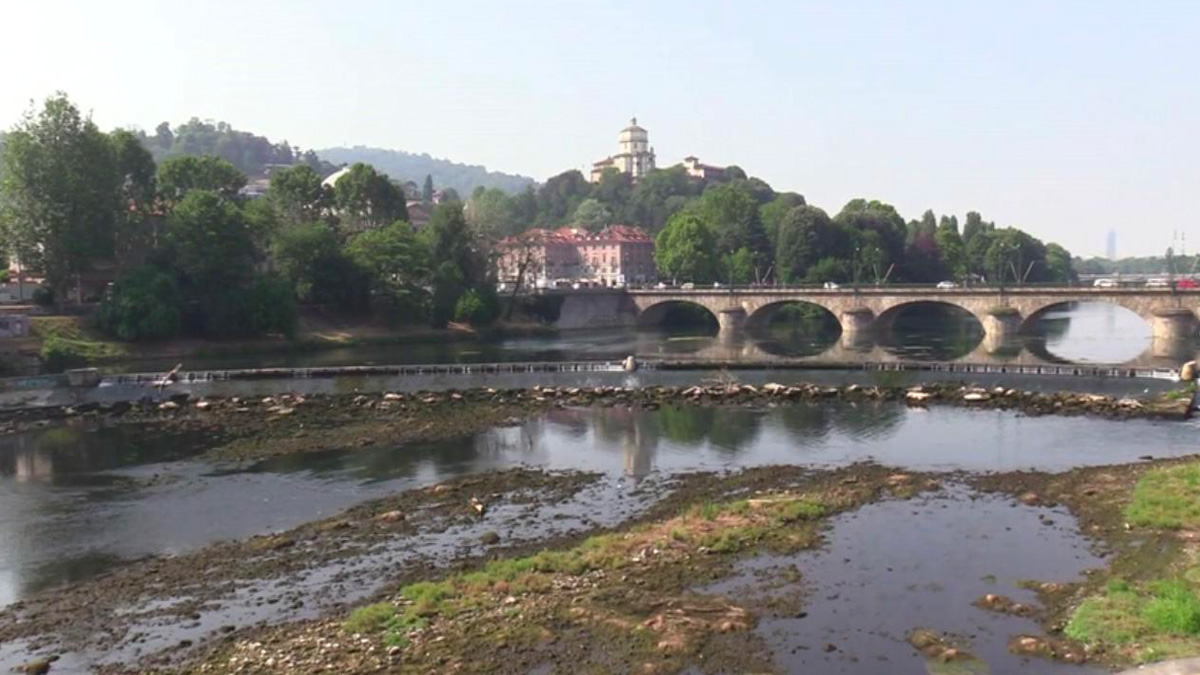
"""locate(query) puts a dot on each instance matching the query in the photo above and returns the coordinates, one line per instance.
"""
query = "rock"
(203, 405)
(510, 600)
(774, 388)
(1187, 372)
(285, 411)
(976, 396)
(489, 539)
(391, 396)
(479, 507)
(1029, 499)
(390, 517)
(168, 405)
(630, 364)
(917, 396)
(37, 666)
(830, 647)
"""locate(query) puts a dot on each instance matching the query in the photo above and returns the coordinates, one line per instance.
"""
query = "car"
(946, 284)
(1157, 283)
(1105, 283)
(660, 285)
(688, 286)
(831, 286)
(716, 284)
(1186, 283)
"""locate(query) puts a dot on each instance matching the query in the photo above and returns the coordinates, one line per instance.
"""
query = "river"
(75, 501)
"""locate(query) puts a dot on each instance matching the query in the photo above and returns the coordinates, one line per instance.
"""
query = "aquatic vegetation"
(1167, 498)
(1147, 622)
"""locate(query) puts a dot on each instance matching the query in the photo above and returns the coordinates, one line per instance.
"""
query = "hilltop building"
(634, 154)
(702, 171)
(615, 256)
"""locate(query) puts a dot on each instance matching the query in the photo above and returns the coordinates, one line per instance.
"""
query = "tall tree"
(950, 248)
(491, 212)
(731, 214)
(805, 236)
(427, 189)
(366, 199)
(882, 219)
(456, 258)
(59, 194)
(210, 243)
(685, 250)
(136, 224)
(560, 196)
(397, 265)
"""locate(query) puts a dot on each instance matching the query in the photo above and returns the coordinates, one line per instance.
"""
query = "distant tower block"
(1110, 248)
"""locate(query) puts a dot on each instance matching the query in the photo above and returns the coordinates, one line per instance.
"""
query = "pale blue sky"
(1065, 118)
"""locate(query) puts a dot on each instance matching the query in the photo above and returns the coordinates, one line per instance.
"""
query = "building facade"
(618, 255)
(695, 169)
(634, 154)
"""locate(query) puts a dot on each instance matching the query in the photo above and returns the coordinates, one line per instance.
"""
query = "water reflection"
(73, 501)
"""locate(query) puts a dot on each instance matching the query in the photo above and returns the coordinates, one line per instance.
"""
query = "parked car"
(946, 284)
(716, 284)
(1186, 283)
(1157, 283)
(688, 286)
(1105, 283)
(661, 285)
(830, 286)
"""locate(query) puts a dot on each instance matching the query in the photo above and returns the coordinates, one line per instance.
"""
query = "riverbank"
(315, 333)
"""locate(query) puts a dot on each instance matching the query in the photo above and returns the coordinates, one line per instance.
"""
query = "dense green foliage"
(144, 304)
(250, 154)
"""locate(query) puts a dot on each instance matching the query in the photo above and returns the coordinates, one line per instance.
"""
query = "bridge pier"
(732, 324)
(1173, 324)
(856, 321)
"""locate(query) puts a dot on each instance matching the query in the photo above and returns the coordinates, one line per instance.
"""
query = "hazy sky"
(1064, 118)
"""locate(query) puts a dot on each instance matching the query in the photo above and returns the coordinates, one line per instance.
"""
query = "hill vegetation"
(407, 166)
(249, 153)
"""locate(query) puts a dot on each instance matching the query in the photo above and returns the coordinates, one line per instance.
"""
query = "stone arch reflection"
(1095, 331)
(793, 328)
(929, 331)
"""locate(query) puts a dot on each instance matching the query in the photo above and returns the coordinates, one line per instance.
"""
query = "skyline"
(1067, 121)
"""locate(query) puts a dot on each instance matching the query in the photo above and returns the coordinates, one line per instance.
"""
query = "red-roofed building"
(616, 256)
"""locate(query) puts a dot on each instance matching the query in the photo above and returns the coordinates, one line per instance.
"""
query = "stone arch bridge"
(1171, 314)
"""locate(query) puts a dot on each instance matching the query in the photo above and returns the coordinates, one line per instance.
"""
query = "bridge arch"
(1030, 319)
(655, 315)
(955, 332)
(760, 319)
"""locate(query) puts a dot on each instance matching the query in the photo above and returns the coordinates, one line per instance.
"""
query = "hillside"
(405, 166)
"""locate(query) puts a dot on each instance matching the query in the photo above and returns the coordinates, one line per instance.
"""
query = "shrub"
(4, 276)
(476, 308)
(58, 355)
(144, 304)
(267, 306)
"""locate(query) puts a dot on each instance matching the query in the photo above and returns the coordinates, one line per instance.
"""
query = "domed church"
(634, 157)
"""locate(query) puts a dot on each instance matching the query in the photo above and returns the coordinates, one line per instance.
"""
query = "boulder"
(976, 396)
(1187, 372)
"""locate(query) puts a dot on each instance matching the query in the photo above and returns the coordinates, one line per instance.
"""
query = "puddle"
(891, 567)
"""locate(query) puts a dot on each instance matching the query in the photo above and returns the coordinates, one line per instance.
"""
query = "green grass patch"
(370, 619)
(1157, 620)
(68, 343)
(1167, 498)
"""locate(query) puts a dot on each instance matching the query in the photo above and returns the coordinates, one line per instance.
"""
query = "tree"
(738, 267)
(367, 199)
(950, 248)
(163, 136)
(427, 189)
(144, 304)
(59, 192)
(860, 216)
(773, 212)
(684, 250)
(1058, 264)
(210, 243)
(731, 214)
(179, 175)
(298, 196)
(592, 215)
(973, 225)
(560, 196)
(310, 257)
(490, 211)
(613, 191)
(806, 234)
(457, 260)
(396, 265)
(659, 195)
(921, 261)
(136, 222)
